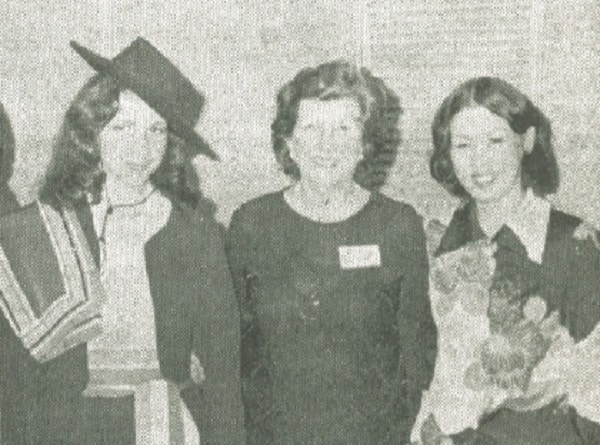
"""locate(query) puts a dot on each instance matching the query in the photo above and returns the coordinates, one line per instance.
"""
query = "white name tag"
(357, 257)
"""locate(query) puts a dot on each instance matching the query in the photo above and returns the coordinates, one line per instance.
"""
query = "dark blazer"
(195, 311)
(570, 283)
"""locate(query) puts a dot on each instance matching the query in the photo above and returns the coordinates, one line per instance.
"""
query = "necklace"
(112, 207)
(326, 209)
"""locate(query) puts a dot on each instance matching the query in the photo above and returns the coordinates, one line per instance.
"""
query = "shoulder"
(259, 210)
(563, 223)
(458, 232)
(392, 210)
(570, 230)
(8, 200)
(188, 229)
(21, 221)
(202, 221)
(24, 227)
(27, 211)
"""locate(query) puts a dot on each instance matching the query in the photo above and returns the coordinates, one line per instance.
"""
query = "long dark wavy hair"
(380, 112)
(8, 200)
(539, 169)
(75, 169)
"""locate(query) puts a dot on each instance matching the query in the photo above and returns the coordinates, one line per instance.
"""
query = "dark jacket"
(569, 281)
(195, 311)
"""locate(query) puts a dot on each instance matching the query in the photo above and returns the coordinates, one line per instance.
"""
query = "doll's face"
(133, 143)
(327, 140)
(486, 154)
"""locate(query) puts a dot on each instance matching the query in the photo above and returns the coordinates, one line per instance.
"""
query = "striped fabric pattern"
(68, 319)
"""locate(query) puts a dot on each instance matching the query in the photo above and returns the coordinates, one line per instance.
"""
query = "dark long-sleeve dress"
(568, 280)
(338, 339)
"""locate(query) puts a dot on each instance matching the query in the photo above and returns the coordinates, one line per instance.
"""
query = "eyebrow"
(123, 122)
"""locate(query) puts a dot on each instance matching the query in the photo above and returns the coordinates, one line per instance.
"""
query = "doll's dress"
(506, 350)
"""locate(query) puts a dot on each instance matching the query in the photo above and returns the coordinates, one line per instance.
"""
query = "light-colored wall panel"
(238, 52)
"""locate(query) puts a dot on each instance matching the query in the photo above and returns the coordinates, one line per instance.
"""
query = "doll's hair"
(380, 111)
(75, 169)
(539, 169)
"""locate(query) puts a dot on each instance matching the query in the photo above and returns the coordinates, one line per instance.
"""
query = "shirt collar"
(530, 224)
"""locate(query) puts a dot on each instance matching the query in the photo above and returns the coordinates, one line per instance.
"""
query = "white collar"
(530, 224)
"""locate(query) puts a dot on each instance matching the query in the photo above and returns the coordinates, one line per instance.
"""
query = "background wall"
(239, 52)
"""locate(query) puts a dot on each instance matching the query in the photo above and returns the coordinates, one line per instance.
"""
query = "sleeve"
(585, 289)
(241, 249)
(216, 344)
(417, 329)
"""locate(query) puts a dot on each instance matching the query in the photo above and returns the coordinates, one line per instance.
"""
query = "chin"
(488, 197)
(136, 182)
(489, 194)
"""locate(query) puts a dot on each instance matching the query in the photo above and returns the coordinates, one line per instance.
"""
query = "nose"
(139, 149)
(480, 155)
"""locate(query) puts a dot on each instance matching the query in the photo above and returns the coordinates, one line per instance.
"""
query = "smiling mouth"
(483, 180)
(138, 165)
(325, 163)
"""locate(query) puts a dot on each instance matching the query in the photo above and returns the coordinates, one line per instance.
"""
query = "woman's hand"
(431, 434)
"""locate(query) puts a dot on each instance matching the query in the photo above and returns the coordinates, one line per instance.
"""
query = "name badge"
(358, 257)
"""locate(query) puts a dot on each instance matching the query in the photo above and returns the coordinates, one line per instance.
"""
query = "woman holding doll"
(515, 283)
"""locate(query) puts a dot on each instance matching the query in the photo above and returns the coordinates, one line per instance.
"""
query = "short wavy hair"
(75, 169)
(539, 169)
(380, 112)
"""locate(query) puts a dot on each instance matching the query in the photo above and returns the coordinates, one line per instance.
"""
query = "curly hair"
(539, 168)
(75, 169)
(380, 112)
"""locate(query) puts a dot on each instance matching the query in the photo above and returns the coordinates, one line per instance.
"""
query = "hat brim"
(195, 143)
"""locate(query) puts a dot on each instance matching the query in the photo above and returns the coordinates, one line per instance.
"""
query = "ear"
(366, 147)
(528, 140)
(290, 142)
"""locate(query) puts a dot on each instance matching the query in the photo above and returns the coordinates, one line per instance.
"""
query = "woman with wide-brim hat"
(165, 368)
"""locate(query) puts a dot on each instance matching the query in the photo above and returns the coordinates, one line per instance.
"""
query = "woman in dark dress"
(493, 147)
(337, 336)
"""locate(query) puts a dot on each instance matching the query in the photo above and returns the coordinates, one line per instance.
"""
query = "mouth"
(483, 180)
(139, 166)
(325, 163)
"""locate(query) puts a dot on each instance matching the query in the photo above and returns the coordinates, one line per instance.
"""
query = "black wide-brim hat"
(142, 69)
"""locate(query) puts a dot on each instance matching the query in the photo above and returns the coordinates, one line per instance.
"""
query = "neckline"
(464, 228)
(306, 219)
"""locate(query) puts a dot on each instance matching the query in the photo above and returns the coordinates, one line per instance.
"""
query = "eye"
(497, 139)
(121, 126)
(460, 145)
(158, 129)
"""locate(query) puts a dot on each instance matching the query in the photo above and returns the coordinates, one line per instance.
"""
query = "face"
(486, 154)
(327, 140)
(133, 143)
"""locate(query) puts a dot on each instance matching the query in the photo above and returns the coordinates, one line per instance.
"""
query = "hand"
(431, 434)
(196, 370)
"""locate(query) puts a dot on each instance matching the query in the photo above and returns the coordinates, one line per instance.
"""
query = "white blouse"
(123, 360)
(128, 342)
